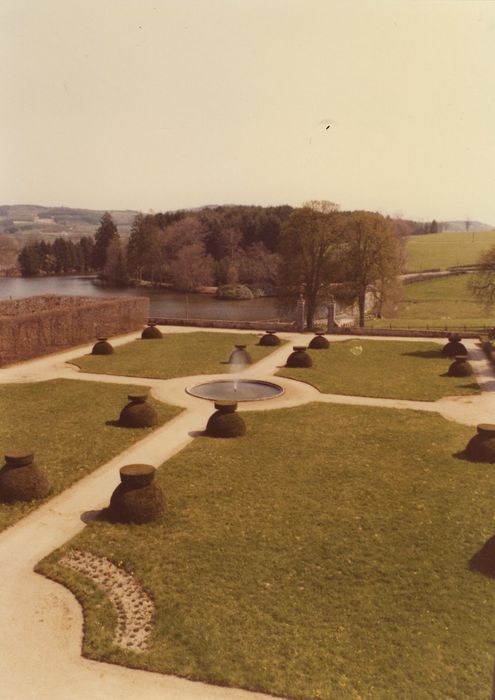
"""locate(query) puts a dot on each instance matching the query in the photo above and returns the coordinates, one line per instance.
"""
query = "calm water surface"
(162, 303)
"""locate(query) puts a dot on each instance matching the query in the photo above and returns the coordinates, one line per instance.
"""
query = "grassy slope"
(388, 369)
(335, 569)
(55, 419)
(176, 355)
(443, 250)
(437, 303)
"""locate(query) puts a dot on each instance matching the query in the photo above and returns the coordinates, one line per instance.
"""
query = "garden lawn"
(382, 368)
(64, 423)
(443, 250)
(323, 555)
(176, 355)
(438, 303)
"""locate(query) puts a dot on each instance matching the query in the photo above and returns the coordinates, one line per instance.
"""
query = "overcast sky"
(162, 104)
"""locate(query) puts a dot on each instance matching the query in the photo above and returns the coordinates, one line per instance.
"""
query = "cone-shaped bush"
(269, 339)
(102, 347)
(454, 346)
(319, 342)
(21, 479)
(225, 422)
(240, 356)
(137, 499)
(151, 332)
(481, 447)
(299, 358)
(138, 413)
(460, 367)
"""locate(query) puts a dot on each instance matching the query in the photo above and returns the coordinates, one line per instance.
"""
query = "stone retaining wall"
(402, 333)
(235, 325)
(40, 325)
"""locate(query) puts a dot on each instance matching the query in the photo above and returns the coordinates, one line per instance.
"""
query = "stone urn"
(151, 332)
(299, 358)
(137, 499)
(240, 356)
(319, 342)
(269, 339)
(138, 413)
(102, 347)
(481, 447)
(225, 422)
(454, 346)
(21, 479)
(460, 367)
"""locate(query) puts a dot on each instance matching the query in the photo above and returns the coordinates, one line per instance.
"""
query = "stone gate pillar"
(301, 314)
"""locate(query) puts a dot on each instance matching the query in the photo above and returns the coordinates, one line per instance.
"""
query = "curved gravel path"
(40, 647)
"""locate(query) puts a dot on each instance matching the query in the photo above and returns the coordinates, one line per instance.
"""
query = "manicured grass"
(176, 355)
(438, 303)
(64, 423)
(443, 250)
(322, 555)
(386, 369)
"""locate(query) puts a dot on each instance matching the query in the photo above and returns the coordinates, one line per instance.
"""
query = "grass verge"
(323, 555)
(65, 423)
(384, 369)
(176, 355)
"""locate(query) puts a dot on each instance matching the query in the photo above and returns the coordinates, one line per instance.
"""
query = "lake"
(162, 303)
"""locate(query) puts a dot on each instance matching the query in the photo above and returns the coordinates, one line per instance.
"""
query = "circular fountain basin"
(240, 390)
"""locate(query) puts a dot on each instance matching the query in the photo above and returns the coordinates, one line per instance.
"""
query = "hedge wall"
(41, 325)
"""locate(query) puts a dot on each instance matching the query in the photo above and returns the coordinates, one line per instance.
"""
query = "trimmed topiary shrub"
(269, 339)
(460, 367)
(319, 342)
(299, 358)
(151, 332)
(138, 413)
(481, 447)
(454, 346)
(240, 356)
(225, 422)
(21, 479)
(102, 347)
(137, 499)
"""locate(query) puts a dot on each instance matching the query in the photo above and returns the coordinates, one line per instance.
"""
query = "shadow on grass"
(473, 386)
(435, 354)
(484, 560)
(90, 515)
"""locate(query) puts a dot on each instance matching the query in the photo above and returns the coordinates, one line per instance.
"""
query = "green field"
(325, 554)
(175, 355)
(382, 368)
(68, 426)
(437, 303)
(443, 250)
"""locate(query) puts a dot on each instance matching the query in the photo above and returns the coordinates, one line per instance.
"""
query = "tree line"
(60, 257)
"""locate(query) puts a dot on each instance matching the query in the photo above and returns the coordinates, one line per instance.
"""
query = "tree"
(29, 260)
(191, 268)
(372, 257)
(115, 270)
(9, 249)
(482, 284)
(309, 252)
(105, 234)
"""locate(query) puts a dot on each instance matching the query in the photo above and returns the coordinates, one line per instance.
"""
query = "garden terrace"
(71, 428)
(41, 325)
(339, 567)
(382, 368)
(176, 355)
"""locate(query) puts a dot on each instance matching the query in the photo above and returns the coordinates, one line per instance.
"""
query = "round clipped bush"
(299, 358)
(21, 479)
(137, 499)
(481, 447)
(102, 347)
(269, 339)
(138, 413)
(454, 346)
(151, 332)
(225, 422)
(240, 356)
(319, 342)
(460, 367)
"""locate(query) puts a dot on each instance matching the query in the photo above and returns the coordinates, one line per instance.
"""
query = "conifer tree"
(105, 234)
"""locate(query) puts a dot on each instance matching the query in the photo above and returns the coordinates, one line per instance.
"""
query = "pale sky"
(164, 104)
